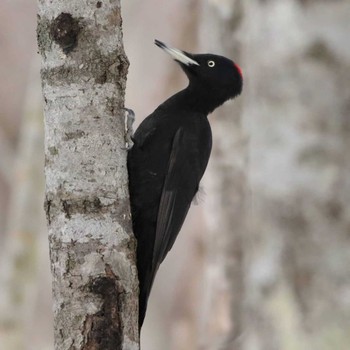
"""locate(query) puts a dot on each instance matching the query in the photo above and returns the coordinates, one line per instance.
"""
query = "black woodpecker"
(169, 156)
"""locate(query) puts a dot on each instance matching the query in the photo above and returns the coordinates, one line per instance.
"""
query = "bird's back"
(170, 153)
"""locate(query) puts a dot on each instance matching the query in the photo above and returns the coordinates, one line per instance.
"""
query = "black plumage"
(170, 153)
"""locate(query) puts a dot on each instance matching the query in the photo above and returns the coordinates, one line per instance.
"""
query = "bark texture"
(92, 248)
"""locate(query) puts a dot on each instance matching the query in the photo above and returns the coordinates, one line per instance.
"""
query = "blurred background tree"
(263, 260)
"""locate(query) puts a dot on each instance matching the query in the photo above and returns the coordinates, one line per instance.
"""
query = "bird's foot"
(129, 132)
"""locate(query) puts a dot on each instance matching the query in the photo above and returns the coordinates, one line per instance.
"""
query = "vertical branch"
(92, 248)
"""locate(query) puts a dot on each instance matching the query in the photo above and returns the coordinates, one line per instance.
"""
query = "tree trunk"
(92, 248)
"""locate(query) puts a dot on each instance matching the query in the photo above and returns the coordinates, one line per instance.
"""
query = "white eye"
(211, 64)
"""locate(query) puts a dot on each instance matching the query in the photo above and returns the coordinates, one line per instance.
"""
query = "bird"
(170, 152)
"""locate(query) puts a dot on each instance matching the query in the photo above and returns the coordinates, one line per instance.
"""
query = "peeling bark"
(92, 248)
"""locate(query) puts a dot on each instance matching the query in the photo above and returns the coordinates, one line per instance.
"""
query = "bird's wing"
(181, 184)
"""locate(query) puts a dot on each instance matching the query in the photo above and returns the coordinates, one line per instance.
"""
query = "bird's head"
(210, 76)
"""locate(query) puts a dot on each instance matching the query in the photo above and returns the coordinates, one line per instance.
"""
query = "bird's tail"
(146, 281)
(143, 300)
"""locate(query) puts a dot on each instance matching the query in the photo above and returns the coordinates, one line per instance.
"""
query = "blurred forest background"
(263, 261)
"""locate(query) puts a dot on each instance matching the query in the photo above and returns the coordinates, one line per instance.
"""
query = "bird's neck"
(195, 100)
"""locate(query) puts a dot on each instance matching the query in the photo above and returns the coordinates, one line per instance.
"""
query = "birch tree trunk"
(92, 247)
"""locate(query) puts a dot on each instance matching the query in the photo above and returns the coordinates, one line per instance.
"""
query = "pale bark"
(92, 247)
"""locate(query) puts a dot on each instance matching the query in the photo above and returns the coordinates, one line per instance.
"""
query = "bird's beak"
(177, 55)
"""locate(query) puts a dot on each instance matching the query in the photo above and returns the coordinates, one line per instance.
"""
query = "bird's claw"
(129, 121)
